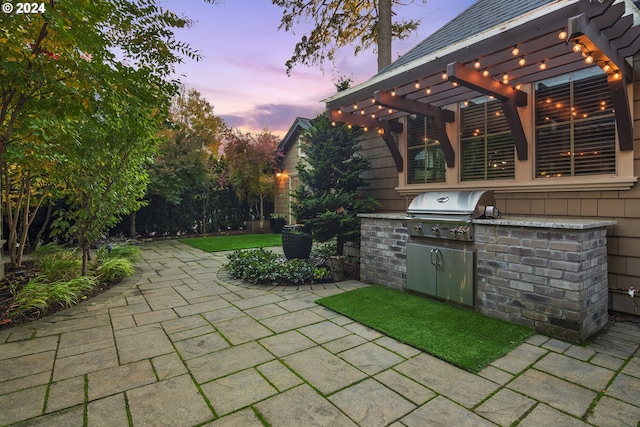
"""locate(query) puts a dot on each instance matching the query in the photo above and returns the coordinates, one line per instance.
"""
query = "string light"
(477, 64)
(362, 111)
(373, 100)
(355, 106)
(616, 75)
(515, 51)
(428, 91)
(455, 84)
(522, 61)
(606, 67)
(444, 75)
(562, 35)
(393, 93)
(505, 78)
(485, 72)
(417, 85)
(543, 66)
(588, 59)
(577, 47)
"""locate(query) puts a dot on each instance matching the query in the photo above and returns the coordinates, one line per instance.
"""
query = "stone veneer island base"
(547, 273)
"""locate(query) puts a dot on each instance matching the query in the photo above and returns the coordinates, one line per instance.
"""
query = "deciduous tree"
(338, 23)
(252, 159)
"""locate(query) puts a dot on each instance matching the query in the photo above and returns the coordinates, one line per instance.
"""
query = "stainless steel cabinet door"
(441, 272)
(421, 274)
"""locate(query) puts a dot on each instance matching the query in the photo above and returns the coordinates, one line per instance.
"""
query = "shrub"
(56, 264)
(124, 250)
(113, 269)
(39, 294)
(322, 251)
(263, 266)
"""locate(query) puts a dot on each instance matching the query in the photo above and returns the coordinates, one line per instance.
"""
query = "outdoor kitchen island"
(547, 273)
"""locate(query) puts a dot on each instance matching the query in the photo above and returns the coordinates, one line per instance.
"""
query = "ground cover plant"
(53, 280)
(233, 242)
(261, 266)
(454, 334)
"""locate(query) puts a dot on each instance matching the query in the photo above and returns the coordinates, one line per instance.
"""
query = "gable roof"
(477, 18)
(300, 124)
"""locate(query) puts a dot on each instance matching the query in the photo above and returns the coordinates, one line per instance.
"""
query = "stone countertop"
(514, 221)
(542, 222)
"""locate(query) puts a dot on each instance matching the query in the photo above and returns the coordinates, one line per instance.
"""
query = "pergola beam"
(579, 27)
(510, 98)
(386, 99)
(473, 79)
(437, 117)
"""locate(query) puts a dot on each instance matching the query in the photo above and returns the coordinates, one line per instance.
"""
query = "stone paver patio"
(181, 344)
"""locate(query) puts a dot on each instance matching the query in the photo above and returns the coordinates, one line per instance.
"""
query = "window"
(425, 158)
(301, 152)
(575, 125)
(487, 146)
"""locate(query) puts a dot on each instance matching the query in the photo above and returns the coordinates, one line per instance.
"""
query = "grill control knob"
(418, 227)
(453, 231)
(435, 230)
(463, 231)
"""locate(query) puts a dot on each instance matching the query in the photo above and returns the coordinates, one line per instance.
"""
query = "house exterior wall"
(287, 182)
(623, 206)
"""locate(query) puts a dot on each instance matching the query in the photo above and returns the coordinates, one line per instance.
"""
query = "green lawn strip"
(234, 242)
(457, 335)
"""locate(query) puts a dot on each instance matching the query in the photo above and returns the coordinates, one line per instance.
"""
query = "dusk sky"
(243, 73)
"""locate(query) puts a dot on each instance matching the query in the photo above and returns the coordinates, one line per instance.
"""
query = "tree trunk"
(384, 33)
(44, 225)
(132, 225)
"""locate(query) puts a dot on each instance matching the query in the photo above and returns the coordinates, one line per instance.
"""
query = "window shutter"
(575, 125)
(425, 158)
(487, 145)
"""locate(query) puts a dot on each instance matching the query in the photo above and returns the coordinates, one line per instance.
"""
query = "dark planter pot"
(295, 244)
(277, 224)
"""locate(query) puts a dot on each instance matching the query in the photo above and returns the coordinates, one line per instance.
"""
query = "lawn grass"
(234, 242)
(457, 335)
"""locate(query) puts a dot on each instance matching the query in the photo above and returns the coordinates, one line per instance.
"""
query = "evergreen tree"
(327, 200)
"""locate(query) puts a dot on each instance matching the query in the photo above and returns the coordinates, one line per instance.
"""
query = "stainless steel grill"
(441, 261)
(448, 215)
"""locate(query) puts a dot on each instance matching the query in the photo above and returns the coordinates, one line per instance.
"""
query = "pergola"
(550, 41)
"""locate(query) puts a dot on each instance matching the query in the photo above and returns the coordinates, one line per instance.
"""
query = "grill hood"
(470, 204)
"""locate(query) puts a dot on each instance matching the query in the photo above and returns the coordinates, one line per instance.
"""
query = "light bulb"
(522, 61)
(577, 47)
(588, 59)
(417, 85)
(444, 75)
(476, 64)
(515, 51)
(562, 35)
(543, 65)
(428, 91)
(606, 67)
(485, 73)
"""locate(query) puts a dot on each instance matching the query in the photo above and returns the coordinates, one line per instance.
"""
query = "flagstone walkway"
(181, 344)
